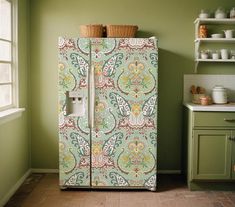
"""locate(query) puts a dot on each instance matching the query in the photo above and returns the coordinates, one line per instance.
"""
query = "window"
(8, 66)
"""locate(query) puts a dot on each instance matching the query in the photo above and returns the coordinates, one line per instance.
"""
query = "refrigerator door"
(74, 133)
(124, 136)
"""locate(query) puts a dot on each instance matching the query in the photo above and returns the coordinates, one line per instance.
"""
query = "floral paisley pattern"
(105, 121)
(120, 151)
(137, 80)
(136, 159)
(75, 180)
(151, 182)
(102, 151)
(134, 115)
(74, 140)
(136, 44)
(104, 71)
(118, 180)
(67, 158)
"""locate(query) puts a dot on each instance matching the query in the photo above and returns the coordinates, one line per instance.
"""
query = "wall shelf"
(214, 21)
(214, 40)
(219, 60)
(198, 41)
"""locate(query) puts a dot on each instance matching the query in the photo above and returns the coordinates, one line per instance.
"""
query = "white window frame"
(13, 109)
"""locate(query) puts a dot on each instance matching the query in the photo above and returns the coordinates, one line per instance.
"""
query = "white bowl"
(220, 15)
(217, 35)
(204, 56)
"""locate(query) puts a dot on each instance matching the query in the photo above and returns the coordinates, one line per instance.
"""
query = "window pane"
(5, 72)
(5, 95)
(5, 51)
(5, 20)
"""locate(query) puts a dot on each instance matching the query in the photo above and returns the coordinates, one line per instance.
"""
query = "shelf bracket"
(196, 66)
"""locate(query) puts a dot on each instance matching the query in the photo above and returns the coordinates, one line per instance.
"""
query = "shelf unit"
(199, 41)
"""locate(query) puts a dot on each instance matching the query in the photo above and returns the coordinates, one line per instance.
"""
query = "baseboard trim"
(169, 171)
(41, 170)
(11, 192)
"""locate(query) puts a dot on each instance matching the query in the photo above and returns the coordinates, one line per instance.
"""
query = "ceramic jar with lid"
(219, 95)
(220, 14)
(204, 14)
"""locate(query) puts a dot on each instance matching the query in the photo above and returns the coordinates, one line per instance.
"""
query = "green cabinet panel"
(214, 119)
(211, 154)
(233, 157)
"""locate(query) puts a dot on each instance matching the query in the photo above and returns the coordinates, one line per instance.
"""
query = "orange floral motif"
(136, 159)
(137, 80)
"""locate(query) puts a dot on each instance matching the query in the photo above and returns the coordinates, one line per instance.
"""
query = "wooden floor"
(42, 190)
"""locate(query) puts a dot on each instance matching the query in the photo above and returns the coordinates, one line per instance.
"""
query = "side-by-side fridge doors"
(108, 112)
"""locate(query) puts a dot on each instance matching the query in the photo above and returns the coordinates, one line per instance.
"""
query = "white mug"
(224, 54)
(215, 55)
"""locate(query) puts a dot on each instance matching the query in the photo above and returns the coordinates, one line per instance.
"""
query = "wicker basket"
(91, 30)
(121, 30)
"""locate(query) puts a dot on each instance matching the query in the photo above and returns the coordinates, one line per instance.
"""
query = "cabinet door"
(233, 157)
(211, 154)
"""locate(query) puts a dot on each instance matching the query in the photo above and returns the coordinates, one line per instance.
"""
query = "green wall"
(14, 135)
(170, 21)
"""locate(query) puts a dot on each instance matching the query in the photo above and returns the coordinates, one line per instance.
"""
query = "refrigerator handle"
(91, 98)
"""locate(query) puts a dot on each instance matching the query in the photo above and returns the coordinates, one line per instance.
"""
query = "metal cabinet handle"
(91, 97)
(229, 120)
(231, 138)
(89, 100)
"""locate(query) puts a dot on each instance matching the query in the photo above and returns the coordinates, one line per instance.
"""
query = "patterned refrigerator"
(108, 112)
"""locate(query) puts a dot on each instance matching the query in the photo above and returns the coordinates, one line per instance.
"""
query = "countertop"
(213, 107)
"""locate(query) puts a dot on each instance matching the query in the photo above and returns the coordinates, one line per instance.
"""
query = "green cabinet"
(211, 154)
(209, 148)
(233, 158)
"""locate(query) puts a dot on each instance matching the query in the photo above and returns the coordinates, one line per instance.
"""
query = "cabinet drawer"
(214, 119)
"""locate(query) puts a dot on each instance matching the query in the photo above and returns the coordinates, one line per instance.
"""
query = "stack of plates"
(217, 35)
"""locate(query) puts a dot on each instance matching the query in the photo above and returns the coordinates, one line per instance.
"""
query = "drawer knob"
(229, 120)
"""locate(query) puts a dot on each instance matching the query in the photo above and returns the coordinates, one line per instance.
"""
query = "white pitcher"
(228, 33)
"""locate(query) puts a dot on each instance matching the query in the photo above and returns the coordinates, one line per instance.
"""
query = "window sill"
(10, 114)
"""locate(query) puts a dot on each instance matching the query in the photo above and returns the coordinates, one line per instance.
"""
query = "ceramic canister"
(215, 55)
(224, 54)
(219, 95)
